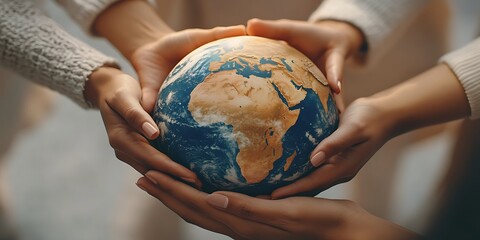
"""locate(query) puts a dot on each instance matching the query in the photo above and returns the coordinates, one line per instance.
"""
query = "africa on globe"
(244, 113)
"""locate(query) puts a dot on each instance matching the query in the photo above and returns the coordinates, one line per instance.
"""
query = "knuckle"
(245, 210)
(346, 178)
(187, 219)
(118, 155)
(114, 140)
(117, 137)
(132, 114)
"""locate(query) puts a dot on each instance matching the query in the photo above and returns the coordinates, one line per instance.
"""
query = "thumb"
(342, 139)
(129, 108)
(149, 97)
(191, 39)
(274, 29)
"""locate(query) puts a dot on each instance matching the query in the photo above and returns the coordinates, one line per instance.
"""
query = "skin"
(327, 43)
(394, 111)
(153, 49)
(413, 104)
(150, 45)
(368, 123)
(243, 217)
(117, 96)
(398, 110)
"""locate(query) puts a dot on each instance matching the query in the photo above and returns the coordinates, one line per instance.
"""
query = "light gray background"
(65, 182)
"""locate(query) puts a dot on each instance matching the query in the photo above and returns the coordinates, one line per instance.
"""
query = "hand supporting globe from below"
(244, 113)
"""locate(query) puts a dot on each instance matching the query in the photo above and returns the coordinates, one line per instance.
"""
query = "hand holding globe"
(244, 114)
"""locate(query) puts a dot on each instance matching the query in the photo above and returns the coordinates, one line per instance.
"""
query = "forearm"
(34, 46)
(433, 97)
(130, 24)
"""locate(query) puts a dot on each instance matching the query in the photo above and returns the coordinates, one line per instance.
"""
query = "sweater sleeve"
(465, 63)
(84, 12)
(377, 19)
(34, 46)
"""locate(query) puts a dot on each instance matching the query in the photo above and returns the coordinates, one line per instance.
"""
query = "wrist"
(129, 25)
(96, 81)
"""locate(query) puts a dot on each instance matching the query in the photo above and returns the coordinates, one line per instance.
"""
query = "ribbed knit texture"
(465, 63)
(35, 47)
(85, 12)
(375, 18)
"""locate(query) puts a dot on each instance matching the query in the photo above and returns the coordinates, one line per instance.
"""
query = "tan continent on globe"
(252, 106)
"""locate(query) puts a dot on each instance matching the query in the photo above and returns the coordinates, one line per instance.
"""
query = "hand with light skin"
(370, 122)
(243, 217)
(150, 45)
(153, 48)
(118, 96)
(327, 43)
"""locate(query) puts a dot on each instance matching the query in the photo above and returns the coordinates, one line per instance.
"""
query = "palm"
(345, 151)
(155, 60)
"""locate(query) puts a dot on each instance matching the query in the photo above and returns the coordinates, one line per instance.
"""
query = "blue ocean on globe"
(244, 114)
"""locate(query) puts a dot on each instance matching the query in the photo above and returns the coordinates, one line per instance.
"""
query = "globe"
(244, 113)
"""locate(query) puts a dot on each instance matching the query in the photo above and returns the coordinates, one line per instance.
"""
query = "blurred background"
(62, 181)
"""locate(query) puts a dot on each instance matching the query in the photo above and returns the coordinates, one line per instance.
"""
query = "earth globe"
(244, 113)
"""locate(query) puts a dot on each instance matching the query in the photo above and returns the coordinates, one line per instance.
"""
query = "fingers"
(130, 161)
(154, 61)
(138, 149)
(346, 136)
(198, 37)
(340, 103)
(187, 213)
(129, 108)
(279, 29)
(334, 65)
(187, 196)
(321, 179)
(336, 169)
(250, 208)
(149, 97)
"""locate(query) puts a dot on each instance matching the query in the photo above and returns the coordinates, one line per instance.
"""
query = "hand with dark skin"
(243, 217)
(365, 126)
(368, 123)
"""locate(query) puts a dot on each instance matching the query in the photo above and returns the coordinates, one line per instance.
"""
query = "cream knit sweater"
(35, 47)
(379, 20)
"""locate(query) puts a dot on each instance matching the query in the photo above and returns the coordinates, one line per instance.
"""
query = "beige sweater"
(411, 33)
(35, 47)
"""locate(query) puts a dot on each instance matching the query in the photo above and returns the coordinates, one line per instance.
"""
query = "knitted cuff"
(465, 63)
(34, 46)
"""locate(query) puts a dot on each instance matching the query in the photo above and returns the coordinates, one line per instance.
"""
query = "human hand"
(364, 127)
(327, 43)
(128, 126)
(153, 61)
(243, 217)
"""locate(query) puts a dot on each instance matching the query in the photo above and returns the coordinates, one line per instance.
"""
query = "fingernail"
(147, 175)
(140, 186)
(217, 200)
(339, 84)
(318, 159)
(149, 129)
